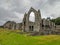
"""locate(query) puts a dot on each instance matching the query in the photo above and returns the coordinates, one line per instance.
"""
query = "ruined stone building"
(13, 25)
(44, 26)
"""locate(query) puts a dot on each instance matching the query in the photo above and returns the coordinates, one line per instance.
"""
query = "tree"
(56, 21)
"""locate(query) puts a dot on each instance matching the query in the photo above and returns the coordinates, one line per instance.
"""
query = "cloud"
(6, 15)
(52, 9)
(14, 9)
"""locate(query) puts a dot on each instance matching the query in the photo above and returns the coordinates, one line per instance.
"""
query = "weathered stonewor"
(10, 25)
(30, 26)
(18, 26)
(40, 26)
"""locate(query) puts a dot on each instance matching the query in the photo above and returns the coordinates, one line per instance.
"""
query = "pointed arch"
(32, 17)
(36, 25)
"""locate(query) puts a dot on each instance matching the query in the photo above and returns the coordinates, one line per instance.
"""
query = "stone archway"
(32, 17)
(37, 22)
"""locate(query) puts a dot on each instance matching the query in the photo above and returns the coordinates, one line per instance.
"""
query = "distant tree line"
(1, 26)
(56, 21)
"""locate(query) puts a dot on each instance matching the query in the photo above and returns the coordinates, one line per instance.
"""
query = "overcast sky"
(14, 10)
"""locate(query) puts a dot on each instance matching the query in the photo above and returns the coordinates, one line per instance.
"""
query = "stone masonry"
(43, 26)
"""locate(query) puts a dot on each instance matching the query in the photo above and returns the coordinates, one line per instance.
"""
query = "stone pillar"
(13, 26)
(27, 23)
(37, 21)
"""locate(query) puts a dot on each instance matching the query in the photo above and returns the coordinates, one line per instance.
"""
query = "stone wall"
(43, 26)
(13, 25)
(36, 23)
(10, 25)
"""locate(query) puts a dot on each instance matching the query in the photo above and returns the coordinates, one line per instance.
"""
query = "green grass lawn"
(8, 37)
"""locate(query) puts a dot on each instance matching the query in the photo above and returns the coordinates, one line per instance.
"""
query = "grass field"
(8, 37)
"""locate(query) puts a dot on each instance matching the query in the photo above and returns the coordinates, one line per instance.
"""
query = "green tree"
(56, 21)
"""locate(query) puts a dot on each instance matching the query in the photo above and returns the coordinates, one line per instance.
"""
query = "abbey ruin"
(43, 26)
